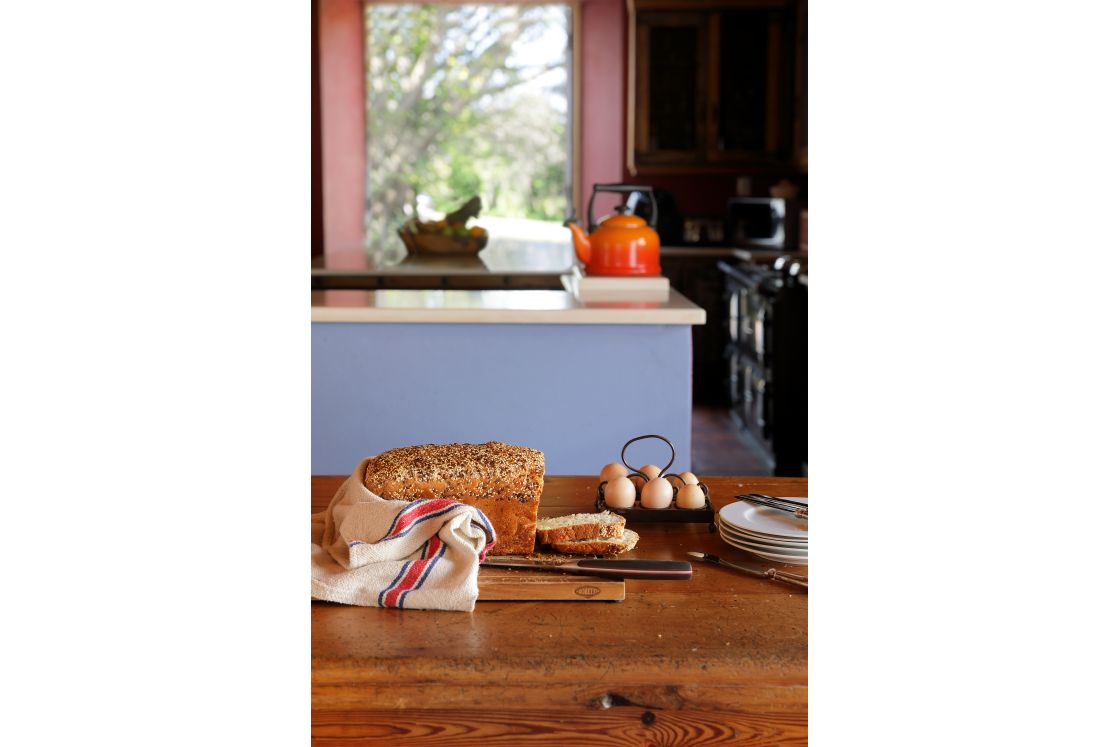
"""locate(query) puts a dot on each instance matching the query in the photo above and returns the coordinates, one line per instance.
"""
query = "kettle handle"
(621, 189)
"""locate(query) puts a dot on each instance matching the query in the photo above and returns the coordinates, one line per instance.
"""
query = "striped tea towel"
(421, 554)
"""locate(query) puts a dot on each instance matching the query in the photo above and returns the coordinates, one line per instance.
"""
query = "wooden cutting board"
(508, 585)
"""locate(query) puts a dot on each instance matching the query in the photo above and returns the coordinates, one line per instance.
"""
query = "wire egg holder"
(638, 513)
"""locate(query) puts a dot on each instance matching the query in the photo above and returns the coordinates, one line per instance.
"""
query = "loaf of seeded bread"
(504, 481)
(580, 526)
(599, 545)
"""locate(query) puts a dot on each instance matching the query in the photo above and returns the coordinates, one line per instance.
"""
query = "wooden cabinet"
(695, 274)
(712, 84)
(671, 88)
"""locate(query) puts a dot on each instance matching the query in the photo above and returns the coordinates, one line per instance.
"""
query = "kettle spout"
(581, 241)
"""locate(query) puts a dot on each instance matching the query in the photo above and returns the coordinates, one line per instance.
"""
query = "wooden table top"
(722, 658)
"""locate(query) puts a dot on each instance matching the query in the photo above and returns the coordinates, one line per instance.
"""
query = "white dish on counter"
(778, 558)
(782, 551)
(763, 541)
(770, 522)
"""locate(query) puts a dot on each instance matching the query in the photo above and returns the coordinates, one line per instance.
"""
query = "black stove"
(767, 359)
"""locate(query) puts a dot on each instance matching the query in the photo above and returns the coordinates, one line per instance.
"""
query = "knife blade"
(771, 573)
(677, 570)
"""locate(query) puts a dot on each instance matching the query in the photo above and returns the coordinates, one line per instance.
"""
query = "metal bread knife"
(680, 570)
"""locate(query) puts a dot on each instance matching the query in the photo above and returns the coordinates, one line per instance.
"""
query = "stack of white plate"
(767, 532)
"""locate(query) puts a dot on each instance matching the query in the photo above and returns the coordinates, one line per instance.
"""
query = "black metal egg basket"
(637, 513)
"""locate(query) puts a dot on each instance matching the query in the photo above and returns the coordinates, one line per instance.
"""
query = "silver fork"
(781, 504)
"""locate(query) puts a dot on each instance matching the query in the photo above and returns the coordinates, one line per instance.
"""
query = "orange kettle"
(623, 244)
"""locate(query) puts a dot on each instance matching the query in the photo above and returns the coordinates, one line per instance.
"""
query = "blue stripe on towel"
(427, 572)
(393, 523)
(420, 521)
(488, 528)
(387, 589)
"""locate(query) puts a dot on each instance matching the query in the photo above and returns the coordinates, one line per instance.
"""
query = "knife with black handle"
(678, 570)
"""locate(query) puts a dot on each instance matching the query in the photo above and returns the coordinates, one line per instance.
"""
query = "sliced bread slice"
(599, 545)
(580, 526)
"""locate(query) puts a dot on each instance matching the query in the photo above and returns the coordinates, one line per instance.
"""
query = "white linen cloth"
(422, 554)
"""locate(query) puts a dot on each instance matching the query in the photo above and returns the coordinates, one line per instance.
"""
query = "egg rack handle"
(672, 457)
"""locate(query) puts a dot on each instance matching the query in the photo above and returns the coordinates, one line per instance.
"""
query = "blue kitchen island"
(539, 368)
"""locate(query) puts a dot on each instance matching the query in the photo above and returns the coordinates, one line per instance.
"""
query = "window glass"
(466, 100)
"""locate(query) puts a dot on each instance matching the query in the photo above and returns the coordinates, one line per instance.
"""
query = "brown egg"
(690, 496)
(619, 493)
(612, 471)
(689, 479)
(650, 470)
(658, 493)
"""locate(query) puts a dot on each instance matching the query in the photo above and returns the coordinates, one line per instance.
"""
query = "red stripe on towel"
(417, 513)
(416, 571)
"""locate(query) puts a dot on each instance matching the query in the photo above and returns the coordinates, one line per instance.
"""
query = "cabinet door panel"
(746, 85)
(671, 87)
(744, 41)
(715, 85)
(674, 88)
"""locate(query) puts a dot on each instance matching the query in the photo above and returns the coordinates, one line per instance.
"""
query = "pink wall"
(603, 109)
(316, 140)
(341, 93)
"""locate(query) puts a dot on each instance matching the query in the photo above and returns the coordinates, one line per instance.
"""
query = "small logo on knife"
(588, 591)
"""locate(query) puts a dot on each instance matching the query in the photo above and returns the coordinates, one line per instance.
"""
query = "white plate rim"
(770, 556)
(751, 508)
(762, 539)
(801, 551)
(777, 552)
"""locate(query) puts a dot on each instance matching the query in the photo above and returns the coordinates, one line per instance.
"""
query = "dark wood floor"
(716, 447)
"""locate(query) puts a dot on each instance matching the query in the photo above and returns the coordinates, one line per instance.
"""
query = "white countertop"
(495, 307)
(499, 259)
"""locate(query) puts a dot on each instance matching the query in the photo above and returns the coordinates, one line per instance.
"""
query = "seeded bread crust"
(504, 481)
(601, 546)
(588, 526)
